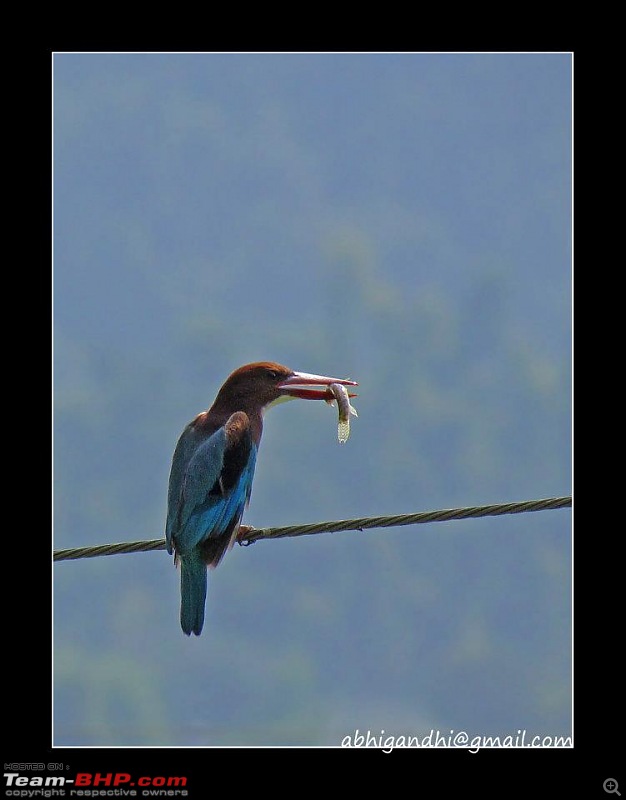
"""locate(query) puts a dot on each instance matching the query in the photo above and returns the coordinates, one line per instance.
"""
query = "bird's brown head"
(254, 387)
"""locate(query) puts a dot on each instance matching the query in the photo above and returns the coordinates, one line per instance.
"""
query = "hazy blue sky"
(402, 219)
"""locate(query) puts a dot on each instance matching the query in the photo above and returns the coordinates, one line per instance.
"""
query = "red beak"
(292, 386)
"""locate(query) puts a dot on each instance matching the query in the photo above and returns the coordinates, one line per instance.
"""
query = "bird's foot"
(242, 535)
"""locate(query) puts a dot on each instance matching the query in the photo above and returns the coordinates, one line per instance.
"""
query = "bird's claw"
(242, 535)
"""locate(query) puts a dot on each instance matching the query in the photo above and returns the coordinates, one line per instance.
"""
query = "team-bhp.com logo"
(126, 784)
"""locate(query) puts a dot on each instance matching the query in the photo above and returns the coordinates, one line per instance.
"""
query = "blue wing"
(210, 486)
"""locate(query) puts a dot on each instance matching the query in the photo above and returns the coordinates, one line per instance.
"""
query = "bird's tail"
(193, 585)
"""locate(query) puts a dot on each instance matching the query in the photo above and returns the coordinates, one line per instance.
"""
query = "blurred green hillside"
(400, 220)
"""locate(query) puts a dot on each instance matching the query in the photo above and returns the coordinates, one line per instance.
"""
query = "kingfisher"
(212, 470)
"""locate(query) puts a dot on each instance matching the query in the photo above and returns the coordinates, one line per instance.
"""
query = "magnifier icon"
(611, 786)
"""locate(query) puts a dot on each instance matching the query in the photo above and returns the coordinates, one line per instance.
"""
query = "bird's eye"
(271, 373)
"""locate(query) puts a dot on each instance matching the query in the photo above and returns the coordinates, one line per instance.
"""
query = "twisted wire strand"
(251, 535)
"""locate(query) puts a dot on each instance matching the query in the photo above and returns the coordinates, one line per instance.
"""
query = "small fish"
(339, 394)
